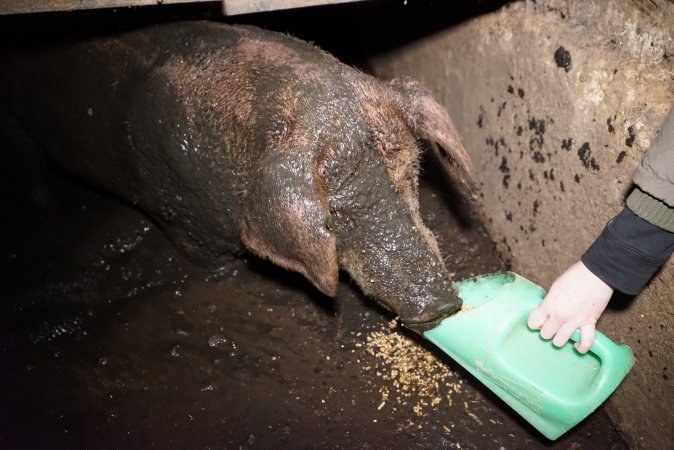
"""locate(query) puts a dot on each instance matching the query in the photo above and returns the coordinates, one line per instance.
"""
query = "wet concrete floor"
(109, 338)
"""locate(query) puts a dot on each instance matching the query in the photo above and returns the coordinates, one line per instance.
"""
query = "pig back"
(106, 109)
(178, 119)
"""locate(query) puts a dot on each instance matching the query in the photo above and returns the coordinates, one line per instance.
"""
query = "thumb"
(587, 333)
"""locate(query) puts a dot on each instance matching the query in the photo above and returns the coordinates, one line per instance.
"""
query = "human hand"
(576, 299)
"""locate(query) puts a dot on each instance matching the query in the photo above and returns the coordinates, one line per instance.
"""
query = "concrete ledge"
(28, 7)
(229, 7)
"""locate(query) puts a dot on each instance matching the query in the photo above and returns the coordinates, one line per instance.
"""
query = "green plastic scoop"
(552, 388)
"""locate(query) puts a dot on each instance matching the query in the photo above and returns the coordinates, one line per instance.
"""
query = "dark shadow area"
(620, 301)
(351, 31)
(355, 31)
(432, 172)
(292, 280)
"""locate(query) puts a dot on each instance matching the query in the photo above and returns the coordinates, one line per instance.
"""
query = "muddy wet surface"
(112, 339)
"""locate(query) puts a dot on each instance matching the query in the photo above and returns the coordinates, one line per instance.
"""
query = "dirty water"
(109, 338)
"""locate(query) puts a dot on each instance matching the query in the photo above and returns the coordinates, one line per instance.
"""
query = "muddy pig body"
(233, 136)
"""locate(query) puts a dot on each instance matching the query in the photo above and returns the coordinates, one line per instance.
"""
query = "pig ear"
(430, 121)
(284, 219)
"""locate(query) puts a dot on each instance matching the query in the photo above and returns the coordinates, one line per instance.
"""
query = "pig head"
(232, 134)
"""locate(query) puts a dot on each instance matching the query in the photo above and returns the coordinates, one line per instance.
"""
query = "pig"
(235, 138)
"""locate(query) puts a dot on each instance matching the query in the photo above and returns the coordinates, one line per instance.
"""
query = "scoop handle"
(601, 346)
(614, 358)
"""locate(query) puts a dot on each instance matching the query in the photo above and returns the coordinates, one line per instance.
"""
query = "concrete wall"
(554, 142)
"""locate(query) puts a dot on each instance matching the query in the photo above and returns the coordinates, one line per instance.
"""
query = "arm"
(632, 248)
(624, 257)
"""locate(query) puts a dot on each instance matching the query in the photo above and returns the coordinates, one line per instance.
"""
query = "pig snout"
(395, 262)
(419, 292)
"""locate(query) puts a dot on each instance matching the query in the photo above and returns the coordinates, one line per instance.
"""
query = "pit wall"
(557, 102)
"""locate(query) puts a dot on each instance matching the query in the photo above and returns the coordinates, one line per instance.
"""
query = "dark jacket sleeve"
(629, 252)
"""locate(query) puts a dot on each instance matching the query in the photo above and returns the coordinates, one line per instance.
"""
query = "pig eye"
(330, 223)
(339, 220)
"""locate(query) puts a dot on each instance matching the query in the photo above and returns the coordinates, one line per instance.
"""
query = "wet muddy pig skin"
(233, 137)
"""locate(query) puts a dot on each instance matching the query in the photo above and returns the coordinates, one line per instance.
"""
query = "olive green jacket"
(654, 200)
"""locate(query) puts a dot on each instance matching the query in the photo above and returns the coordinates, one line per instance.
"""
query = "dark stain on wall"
(511, 90)
(538, 126)
(632, 135)
(538, 157)
(537, 141)
(563, 58)
(549, 174)
(501, 108)
(531, 129)
(505, 170)
(502, 144)
(504, 165)
(611, 128)
(585, 155)
(505, 242)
